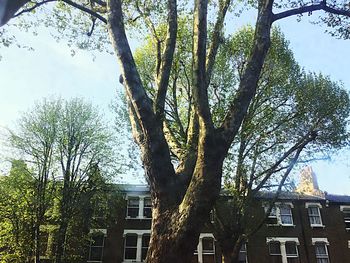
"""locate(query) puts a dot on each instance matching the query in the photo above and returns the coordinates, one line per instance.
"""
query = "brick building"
(306, 226)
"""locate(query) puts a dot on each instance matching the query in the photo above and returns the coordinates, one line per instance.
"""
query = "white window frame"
(319, 207)
(139, 234)
(199, 251)
(325, 243)
(278, 214)
(346, 219)
(141, 199)
(244, 249)
(94, 231)
(282, 241)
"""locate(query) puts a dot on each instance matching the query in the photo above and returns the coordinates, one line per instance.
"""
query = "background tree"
(17, 214)
(65, 141)
(182, 196)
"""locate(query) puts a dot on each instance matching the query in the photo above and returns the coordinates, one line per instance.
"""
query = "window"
(133, 207)
(346, 214)
(272, 217)
(286, 215)
(130, 247)
(314, 214)
(205, 251)
(145, 243)
(97, 241)
(139, 207)
(136, 245)
(280, 214)
(291, 252)
(274, 248)
(242, 257)
(283, 249)
(147, 208)
(321, 252)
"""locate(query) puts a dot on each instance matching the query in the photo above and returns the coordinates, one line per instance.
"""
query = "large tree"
(182, 196)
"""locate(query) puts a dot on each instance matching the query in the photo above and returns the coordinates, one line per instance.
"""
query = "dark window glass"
(274, 248)
(147, 208)
(208, 245)
(242, 257)
(96, 247)
(145, 243)
(133, 207)
(130, 246)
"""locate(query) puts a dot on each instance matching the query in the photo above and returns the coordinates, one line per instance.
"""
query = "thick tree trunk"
(230, 248)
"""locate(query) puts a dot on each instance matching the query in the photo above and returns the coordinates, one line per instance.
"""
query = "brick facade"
(301, 229)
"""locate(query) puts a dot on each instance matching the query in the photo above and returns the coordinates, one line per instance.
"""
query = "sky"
(50, 70)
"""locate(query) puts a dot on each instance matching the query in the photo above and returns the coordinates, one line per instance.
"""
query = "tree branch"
(155, 150)
(310, 8)
(33, 7)
(86, 10)
(166, 60)
(200, 92)
(249, 81)
(216, 38)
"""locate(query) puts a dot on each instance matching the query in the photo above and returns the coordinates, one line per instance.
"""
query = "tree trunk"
(230, 250)
(61, 237)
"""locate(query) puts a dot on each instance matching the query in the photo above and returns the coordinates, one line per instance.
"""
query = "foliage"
(17, 214)
(65, 142)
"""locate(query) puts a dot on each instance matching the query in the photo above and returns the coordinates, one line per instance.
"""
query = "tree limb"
(166, 60)
(310, 8)
(249, 81)
(216, 38)
(155, 150)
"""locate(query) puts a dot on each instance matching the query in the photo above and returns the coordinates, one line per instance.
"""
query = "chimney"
(308, 183)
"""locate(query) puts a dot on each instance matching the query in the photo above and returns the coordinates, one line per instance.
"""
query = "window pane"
(97, 240)
(134, 201)
(130, 253)
(286, 219)
(208, 245)
(131, 241)
(320, 249)
(145, 240)
(285, 210)
(291, 249)
(96, 253)
(242, 256)
(274, 248)
(133, 212)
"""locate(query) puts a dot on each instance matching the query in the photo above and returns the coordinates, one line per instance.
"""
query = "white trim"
(278, 215)
(137, 232)
(141, 199)
(283, 239)
(200, 246)
(342, 207)
(98, 230)
(308, 204)
(319, 240)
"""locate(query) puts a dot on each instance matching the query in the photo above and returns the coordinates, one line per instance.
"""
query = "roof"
(338, 198)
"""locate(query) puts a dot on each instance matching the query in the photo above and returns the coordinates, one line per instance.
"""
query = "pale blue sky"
(28, 76)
